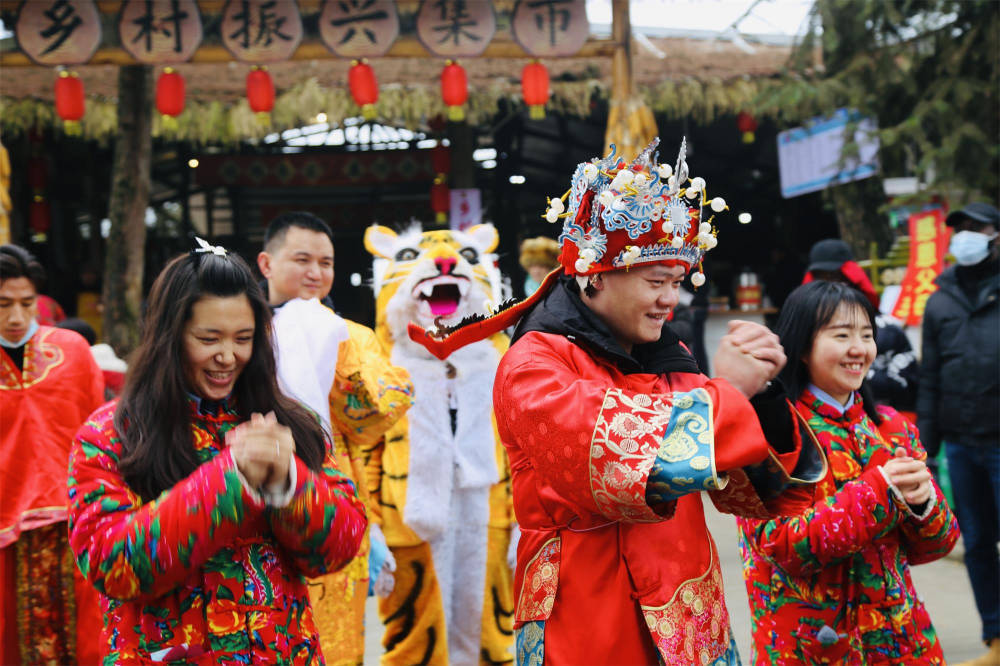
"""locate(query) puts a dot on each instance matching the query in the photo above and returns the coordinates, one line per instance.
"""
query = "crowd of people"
(524, 485)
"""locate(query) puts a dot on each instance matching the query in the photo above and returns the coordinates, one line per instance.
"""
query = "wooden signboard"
(58, 32)
(456, 28)
(261, 30)
(161, 31)
(550, 27)
(359, 28)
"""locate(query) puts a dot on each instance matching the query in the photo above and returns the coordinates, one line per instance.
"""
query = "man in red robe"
(613, 433)
(49, 384)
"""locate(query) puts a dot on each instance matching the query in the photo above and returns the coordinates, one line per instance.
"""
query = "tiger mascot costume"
(443, 498)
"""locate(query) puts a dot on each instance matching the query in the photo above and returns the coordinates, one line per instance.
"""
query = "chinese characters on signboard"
(550, 27)
(160, 31)
(456, 28)
(928, 244)
(359, 28)
(261, 30)
(58, 32)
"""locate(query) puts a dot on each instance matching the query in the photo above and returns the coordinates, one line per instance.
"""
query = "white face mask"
(970, 247)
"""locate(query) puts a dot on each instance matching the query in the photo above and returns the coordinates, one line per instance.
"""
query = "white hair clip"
(204, 246)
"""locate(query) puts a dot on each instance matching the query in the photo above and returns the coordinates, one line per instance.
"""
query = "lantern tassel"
(456, 114)
(368, 111)
(72, 128)
(168, 123)
(263, 118)
(440, 217)
(536, 112)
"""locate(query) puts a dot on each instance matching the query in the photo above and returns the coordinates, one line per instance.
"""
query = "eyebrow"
(202, 329)
(299, 253)
(846, 326)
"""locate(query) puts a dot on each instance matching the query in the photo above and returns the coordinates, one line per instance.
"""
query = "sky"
(785, 17)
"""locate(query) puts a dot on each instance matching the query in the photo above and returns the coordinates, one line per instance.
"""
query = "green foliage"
(926, 69)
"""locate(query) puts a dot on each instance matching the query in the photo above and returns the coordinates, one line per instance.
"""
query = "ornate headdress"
(615, 216)
(620, 215)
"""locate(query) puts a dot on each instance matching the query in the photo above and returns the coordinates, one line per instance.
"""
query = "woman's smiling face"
(218, 343)
(842, 352)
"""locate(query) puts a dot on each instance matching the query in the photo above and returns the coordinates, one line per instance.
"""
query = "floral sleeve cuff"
(907, 509)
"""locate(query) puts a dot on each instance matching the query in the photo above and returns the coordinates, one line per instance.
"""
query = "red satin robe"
(41, 408)
(615, 564)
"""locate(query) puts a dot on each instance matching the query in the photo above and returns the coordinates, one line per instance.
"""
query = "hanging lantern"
(535, 88)
(364, 87)
(440, 199)
(70, 104)
(260, 93)
(441, 159)
(170, 95)
(454, 90)
(746, 124)
(39, 215)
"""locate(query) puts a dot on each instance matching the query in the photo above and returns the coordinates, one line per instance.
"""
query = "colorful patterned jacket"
(206, 573)
(832, 584)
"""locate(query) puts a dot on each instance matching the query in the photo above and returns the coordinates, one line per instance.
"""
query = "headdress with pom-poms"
(615, 215)
(618, 215)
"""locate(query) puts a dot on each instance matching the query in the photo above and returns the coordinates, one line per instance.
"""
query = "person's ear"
(597, 281)
(264, 264)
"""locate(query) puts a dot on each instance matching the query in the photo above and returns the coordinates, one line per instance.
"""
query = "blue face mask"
(970, 247)
(531, 285)
(32, 329)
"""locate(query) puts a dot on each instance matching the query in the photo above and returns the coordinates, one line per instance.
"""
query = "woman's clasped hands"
(263, 451)
(910, 476)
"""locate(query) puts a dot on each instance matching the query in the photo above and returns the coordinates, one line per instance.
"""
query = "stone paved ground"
(944, 586)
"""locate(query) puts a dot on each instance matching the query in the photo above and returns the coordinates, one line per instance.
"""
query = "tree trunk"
(860, 224)
(130, 189)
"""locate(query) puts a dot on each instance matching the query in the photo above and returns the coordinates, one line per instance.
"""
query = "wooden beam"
(403, 47)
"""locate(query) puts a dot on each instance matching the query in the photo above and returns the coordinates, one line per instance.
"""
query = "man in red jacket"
(49, 384)
(613, 432)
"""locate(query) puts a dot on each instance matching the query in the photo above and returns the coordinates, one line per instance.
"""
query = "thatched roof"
(696, 78)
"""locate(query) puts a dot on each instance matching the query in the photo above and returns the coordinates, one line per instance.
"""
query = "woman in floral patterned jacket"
(832, 584)
(200, 500)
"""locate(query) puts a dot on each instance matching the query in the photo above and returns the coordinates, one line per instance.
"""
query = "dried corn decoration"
(631, 125)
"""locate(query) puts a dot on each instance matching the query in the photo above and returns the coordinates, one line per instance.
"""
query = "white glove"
(515, 537)
(382, 580)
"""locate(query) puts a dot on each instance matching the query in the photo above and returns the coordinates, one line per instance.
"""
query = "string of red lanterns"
(170, 95)
(70, 102)
(535, 88)
(363, 86)
(454, 90)
(440, 198)
(260, 93)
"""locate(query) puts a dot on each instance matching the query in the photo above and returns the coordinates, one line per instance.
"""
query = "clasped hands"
(910, 476)
(749, 356)
(262, 449)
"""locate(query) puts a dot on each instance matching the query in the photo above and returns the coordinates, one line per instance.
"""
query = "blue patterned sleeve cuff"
(685, 460)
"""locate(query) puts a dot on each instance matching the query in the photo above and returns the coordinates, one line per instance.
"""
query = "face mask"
(531, 285)
(970, 247)
(32, 329)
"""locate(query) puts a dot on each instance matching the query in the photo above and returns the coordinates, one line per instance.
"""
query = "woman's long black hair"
(808, 309)
(153, 415)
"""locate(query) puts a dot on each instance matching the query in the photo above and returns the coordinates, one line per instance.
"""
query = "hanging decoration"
(441, 159)
(170, 95)
(70, 104)
(454, 90)
(440, 198)
(363, 86)
(535, 88)
(39, 211)
(260, 93)
(747, 125)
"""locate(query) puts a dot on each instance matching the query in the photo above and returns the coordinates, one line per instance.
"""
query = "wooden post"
(130, 189)
(631, 124)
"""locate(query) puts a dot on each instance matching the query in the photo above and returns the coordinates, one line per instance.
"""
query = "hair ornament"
(204, 246)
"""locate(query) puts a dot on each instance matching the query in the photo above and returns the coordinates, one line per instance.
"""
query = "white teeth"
(463, 287)
(426, 288)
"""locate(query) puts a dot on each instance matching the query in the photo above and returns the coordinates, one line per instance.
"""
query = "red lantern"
(70, 104)
(535, 88)
(454, 90)
(364, 87)
(746, 124)
(39, 215)
(441, 159)
(170, 93)
(260, 93)
(440, 199)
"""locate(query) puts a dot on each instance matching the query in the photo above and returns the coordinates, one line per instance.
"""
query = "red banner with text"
(929, 237)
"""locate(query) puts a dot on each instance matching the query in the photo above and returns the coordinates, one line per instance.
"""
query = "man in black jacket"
(959, 398)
